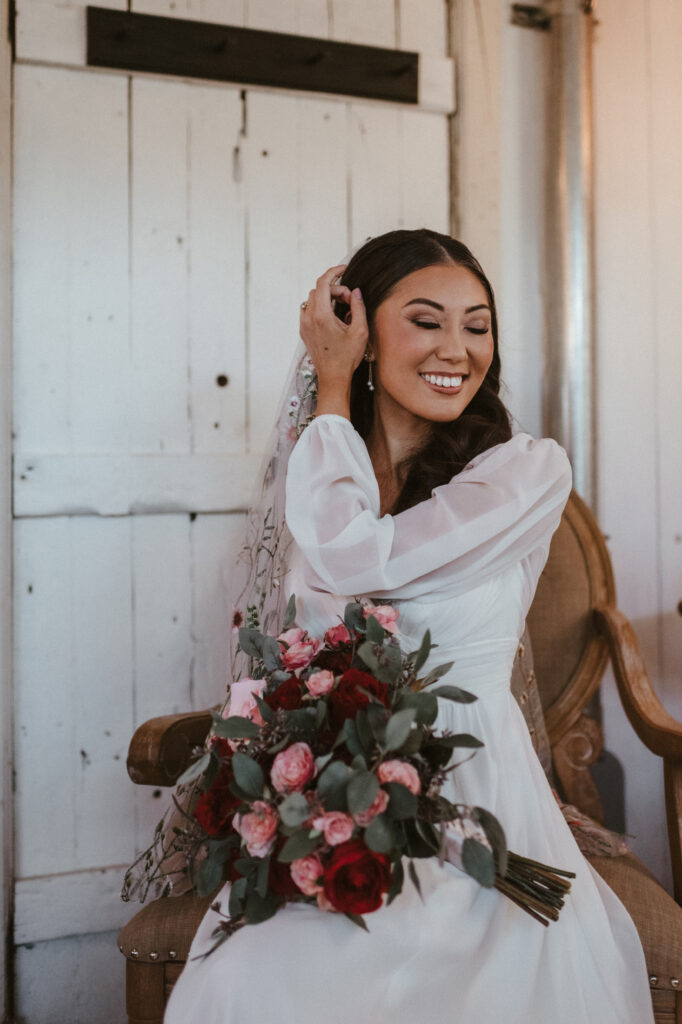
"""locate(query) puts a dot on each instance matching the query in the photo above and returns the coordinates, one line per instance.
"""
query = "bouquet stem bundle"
(538, 889)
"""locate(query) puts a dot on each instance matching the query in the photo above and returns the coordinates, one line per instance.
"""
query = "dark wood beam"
(224, 53)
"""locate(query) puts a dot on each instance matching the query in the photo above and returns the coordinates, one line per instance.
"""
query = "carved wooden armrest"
(658, 730)
(160, 749)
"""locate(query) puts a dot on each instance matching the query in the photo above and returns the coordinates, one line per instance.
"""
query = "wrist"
(333, 397)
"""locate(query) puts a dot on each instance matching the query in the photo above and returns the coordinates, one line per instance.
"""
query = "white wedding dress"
(465, 564)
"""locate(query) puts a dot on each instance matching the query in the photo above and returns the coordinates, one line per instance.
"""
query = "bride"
(409, 487)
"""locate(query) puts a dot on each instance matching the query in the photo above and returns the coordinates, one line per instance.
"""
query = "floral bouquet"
(323, 776)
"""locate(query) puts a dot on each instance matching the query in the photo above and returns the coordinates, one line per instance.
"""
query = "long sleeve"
(502, 507)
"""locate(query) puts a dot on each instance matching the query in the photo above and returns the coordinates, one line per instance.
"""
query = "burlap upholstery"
(656, 914)
(163, 930)
(524, 686)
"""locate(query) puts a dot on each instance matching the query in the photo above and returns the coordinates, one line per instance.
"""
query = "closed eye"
(478, 330)
(428, 324)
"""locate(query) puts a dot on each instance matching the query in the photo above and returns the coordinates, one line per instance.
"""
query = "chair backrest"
(569, 655)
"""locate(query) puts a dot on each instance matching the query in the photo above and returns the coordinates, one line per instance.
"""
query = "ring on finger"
(304, 304)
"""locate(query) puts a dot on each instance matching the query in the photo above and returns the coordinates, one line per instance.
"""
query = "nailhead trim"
(172, 955)
(134, 953)
(153, 956)
(674, 982)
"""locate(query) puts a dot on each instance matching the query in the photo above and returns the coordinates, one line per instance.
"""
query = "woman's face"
(432, 344)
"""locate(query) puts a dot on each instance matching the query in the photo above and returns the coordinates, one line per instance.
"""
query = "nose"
(452, 345)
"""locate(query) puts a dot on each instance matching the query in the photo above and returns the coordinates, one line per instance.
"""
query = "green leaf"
(399, 727)
(478, 861)
(423, 652)
(367, 653)
(462, 739)
(320, 713)
(436, 673)
(427, 708)
(236, 728)
(353, 617)
(352, 739)
(455, 693)
(375, 631)
(294, 809)
(412, 871)
(323, 760)
(262, 877)
(402, 802)
(298, 845)
(362, 790)
(195, 770)
(259, 909)
(267, 714)
(331, 786)
(377, 717)
(429, 834)
(271, 654)
(251, 642)
(363, 731)
(209, 876)
(237, 895)
(495, 835)
(290, 613)
(380, 835)
(248, 775)
(397, 880)
(357, 919)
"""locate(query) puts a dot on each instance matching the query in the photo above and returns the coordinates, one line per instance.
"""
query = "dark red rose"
(279, 875)
(288, 695)
(217, 805)
(346, 700)
(355, 878)
(336, 661)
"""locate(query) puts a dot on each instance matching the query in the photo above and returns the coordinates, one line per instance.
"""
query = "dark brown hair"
(376, 268)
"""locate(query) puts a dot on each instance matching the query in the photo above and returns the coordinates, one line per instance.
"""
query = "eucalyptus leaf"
(397, 879)
(251, 642)
(209, 876)
(375, 631)
(478, 861)
(379, 834)
(455, 693)
(462, 739)
(352, 739)
(262, 877)
(423, 652)
(267, 714)
(196, 769)
(298, 845)
(236, 728)
(323, 760)
(248, 775)
(353, 617)
(402, 802)
(294, 809)
(357, 919)
(436, 673)
(377, 716)
(290, 613)
(335, 774)
(399, 727)
(259, 909)
(364, 731)
(362, 790)
(320, 713)
(412, 871)
(272, 658)
(237, 895)
(367, 653)
(495, 835)
(427, 708)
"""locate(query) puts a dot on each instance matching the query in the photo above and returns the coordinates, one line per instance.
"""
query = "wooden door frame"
(6, 702)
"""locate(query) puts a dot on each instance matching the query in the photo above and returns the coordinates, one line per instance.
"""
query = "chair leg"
(145, 993)
(678, 1008)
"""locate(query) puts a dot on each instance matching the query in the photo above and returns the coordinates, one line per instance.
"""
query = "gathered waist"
(483, 667)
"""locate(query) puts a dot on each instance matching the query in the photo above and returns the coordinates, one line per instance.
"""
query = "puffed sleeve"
(502, 507)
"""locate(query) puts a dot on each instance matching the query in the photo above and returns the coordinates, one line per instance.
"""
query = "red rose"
(347, 699)
(287, 695)
(279, 874)
(336, 661)
(217, 805)
(355, 878)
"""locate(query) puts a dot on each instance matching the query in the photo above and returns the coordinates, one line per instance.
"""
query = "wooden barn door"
(165, 233)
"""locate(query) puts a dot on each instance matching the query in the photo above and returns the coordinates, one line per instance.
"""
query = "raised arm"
(503, 506)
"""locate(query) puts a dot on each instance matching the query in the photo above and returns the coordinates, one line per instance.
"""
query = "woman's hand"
(336, 348)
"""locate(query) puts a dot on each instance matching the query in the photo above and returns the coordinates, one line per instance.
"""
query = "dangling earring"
(370, 382)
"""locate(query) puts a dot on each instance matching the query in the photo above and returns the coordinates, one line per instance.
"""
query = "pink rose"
(306, 872)
(384, 614)
(337, 635)
(293, 768)
(242, 701)
(324, 904)
(292, 636)
(402, 772)
(301, 653)
(378, 806)
(337, 827)
(258, 828)
(320, 683)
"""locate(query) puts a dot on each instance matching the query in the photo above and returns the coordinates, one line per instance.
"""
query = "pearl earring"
(370, 382)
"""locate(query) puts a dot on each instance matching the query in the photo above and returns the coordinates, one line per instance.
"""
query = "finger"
(330, 274)
(358, 316)
(340, 291)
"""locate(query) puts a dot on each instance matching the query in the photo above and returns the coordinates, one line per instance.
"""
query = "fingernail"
(357, 293)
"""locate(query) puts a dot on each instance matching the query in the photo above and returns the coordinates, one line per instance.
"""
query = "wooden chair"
(574, 627)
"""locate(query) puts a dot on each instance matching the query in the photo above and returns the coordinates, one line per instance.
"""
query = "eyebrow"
(437, 305)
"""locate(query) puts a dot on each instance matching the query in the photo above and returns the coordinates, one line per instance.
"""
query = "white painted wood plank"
(55, 981)
(425, 171)
(312, 18)
(222, 12)
(73, 684)
(375, 152)
(136, 484)
(263, 14)
(71, 304)
(665, 33)
(160, 414)
(53, 30)
(216, 270)
(354, 21)
(273, 301)
(422, 26)
(74, 903)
